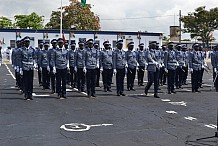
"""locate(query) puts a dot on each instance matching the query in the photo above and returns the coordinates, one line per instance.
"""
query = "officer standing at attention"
(106, 65)
(141, 61)
(72, 63)
(185, 65)
(44, 66)
(179, 70)
(38, 50)
(91, 64)
(66, 47)
(119, 63)
(132, 64)
(162, 75)
(214, 62)
(51, 62)
(60, 68)
(195, 65)
(153, 69)
(98, 72)
(0, 56)
(28, 63)
(202, 55)
(80, 67)
(15, 62)
(170, 64)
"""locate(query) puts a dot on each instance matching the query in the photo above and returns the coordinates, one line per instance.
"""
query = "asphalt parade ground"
(107, 120)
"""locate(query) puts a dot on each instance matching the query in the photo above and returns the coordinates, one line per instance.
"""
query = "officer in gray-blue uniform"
(141, 61)
(60, 68)
(152, 68)
(170, 64)
(98, 72)
(185, 65)
(15, 62)
(91, 64)
(44, 66)
(214, 62)
(72, 63)
(179, 70)
(106, 65)
(195, 65)
(51, 62)
(38, 50)
(132, 64)
(0, 56)
(159, 61)
(119, 65)
(80, 68)
(202, 55)
(28, 63)
(162, 74)
(66, 47)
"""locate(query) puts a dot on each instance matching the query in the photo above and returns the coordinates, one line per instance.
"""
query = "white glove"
(126, 66)
(115, 71)
(75, 69)
(35, 66)
(0, 64)
(137, 64)
(48, 68)
(54, 70)
(215, 70)
(40, 68)
(21, 71)
(97, 65)
(205, 64)
(13, 66)
(166, 70)
(126, 70)
(155, 62)
(191, 70)
(84, 69)
(177, 63)
(101, 69)
(17, 69)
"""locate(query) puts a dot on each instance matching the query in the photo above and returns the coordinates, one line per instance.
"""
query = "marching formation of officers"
(64, 63)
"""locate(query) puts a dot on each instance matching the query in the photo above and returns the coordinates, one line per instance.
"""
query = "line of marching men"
(83, 65)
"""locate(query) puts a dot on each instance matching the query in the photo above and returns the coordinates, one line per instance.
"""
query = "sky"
(118, 15)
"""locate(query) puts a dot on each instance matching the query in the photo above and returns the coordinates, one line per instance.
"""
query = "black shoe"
(173, 91)
(122, 94)
(132, 89)
(64, 96)
(146, 92)
(156, 96)
(53, 91)
(169, 92)
(105, 90)
(118, 94)
(25, 97)
(93, 95)
(128, 89)
(109, 90)
(197, 91)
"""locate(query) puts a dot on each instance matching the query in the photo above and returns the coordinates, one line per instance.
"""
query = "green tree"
(32, 21)
(201, 23)
(75, 16)
(5, 22)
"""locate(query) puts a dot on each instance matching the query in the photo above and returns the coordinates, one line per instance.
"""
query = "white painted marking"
(171, 112)
(69, 90)
(34, 94)
(135, 94)
(12, 87)
(207, 85)
(79, 127)
(10, 71)
(190, 118)
(165, 100)
(187, 90)
(211, 126)
(80, 92)
(182, 103)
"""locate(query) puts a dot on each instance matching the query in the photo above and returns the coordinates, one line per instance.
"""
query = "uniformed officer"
(80, 66)
(159, 61)
(195, 65)
(15, 62)
(141, 61)
(170, 64)
(72, 63)
(214, 62)
(91, 64)
(44, 66)
(28, 63)
(119, 63)
(106, 65)
(66, 47)
(179, 70)
(98, 72)
(185, 65)
(51, 62)
(0, 56)
(38, 50)
(162, 75)
(132, 64)
(202, 55)
(60, 68)
(152, 68)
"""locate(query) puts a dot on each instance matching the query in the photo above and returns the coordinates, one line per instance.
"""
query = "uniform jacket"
(195, 61)
(43, 58)
(151, 60)
(106, 59)
(28, 58)
(141, 58)
(91, 58)
(170, 61)
(51, 56)
(72, 60)
(61, 58)
(131, 58)
(80, 58)
(119, 59)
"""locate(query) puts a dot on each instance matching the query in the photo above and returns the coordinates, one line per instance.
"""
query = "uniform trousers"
(153, 78)
(91, 81)
(73, 77)
(45, 78)
(80, 79)
(195, 79)
(120, 75)
(28, 82)
(61, 78)
(107, 76)
(171, 80)
(131, 72)
(141, 72)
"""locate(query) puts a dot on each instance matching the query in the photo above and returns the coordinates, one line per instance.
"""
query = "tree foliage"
(5, 22)
(75, 16)
(201, 23)
(32, 21)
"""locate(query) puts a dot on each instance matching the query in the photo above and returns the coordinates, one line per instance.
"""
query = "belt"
(196, 63)
(172, 63)
(30, 63)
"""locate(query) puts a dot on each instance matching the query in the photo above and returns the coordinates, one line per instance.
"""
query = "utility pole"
(180, 26)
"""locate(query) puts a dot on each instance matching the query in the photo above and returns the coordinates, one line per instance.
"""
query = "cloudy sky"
(117, 15)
